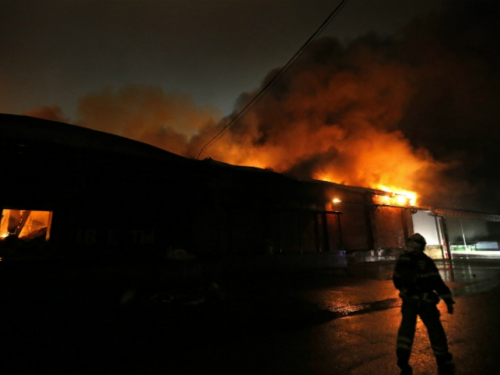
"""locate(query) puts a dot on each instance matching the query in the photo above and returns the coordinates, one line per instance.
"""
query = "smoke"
(146, 114)
(454, 112)
(52, 113)
(415, 112)
(335, 116)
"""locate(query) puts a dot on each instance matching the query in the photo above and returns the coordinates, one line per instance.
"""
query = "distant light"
(336, 200)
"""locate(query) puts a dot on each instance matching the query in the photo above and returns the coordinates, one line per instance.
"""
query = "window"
(26, 225)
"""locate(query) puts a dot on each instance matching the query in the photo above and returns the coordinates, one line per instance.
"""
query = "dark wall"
(389, 226)
(103, 203)
(106, 202)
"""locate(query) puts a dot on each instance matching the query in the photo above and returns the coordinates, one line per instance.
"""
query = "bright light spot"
(401, 199)
(402, 196)
(336, 200)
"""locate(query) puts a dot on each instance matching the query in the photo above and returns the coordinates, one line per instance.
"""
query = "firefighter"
(417, 278)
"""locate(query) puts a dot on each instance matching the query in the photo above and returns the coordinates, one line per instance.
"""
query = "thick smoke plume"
(335, 116)
(414, 112)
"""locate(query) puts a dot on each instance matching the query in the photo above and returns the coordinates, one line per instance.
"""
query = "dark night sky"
(399, 93)
(56, 51)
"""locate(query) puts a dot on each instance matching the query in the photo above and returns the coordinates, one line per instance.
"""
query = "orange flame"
(396, 197)
(403, 197)
(327, 122)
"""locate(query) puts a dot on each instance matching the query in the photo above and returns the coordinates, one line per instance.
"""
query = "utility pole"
(463, 235)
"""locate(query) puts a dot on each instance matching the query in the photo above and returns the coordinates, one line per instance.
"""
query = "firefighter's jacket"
(416, 276)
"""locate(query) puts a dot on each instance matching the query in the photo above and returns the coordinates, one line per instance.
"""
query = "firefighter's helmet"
(418, 238)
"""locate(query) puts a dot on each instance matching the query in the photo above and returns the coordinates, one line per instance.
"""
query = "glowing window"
(26, 224)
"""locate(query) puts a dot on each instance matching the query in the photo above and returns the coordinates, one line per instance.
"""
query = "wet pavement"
(323, 322)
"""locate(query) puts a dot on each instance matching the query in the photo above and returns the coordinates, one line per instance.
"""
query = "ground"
(322, 322)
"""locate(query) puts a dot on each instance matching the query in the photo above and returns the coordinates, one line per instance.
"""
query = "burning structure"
(75, 192)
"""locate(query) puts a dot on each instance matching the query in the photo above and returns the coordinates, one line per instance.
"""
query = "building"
(74, 193)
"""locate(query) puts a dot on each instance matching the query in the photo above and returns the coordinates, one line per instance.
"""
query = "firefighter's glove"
(449, 305)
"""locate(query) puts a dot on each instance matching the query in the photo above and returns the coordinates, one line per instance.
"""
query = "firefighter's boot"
(445, 364)
(403, 358)
(407, 370)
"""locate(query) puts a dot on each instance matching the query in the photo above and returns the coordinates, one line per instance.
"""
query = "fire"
(337, 118)
(396, 197)
(403, 197)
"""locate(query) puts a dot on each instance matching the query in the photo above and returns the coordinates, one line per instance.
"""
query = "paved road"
(318, 323)
(351, 325)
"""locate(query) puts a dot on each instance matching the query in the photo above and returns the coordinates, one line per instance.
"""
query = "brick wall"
(389, 227)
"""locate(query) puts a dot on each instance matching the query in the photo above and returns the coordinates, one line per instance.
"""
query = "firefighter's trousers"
(429, 314)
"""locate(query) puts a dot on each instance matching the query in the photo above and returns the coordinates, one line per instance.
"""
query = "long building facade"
(68, 191)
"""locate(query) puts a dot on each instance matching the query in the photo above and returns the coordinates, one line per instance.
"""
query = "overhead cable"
(235, 119)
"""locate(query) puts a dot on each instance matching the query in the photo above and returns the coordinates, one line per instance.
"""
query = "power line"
(280, 73)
